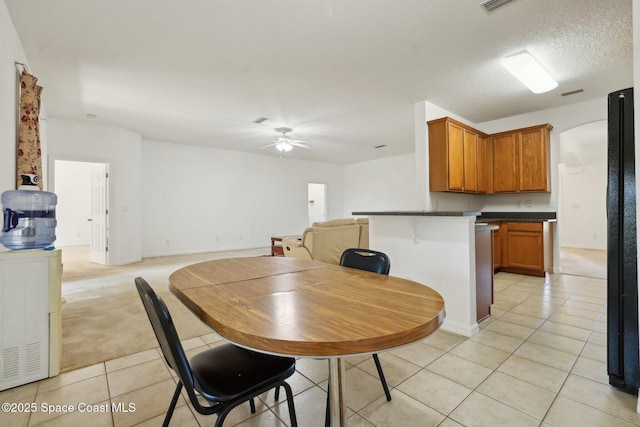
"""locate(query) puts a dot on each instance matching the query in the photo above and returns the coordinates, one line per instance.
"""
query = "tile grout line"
(520, 345)
(591, 332)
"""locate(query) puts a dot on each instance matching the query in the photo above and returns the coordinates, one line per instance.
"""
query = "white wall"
(378, 185)
(583, 187)
(121, 149)
(170, 198)
(198, 199)
(10, 52)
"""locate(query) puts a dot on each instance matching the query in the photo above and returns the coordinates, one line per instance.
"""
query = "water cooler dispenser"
(30, 285)
(29, 217)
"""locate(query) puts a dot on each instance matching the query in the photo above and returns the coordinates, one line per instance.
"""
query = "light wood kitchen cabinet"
(521, 160)
(526, 247)
(457, 157)
(482, 168)
(504, 153)
(523, 247)
(533, 167)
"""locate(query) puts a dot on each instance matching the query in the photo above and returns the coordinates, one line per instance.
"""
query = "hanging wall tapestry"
(29, 159)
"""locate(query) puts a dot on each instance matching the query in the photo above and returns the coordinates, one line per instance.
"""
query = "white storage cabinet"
(30, 321)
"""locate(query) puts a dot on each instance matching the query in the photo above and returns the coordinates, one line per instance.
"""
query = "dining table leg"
(337, 392)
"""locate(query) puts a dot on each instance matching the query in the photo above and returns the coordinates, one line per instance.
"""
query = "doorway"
(582, 200)
(317, 202)
(82, 209)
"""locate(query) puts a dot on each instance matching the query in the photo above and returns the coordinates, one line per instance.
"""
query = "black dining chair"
(376, 262)
(225, 376)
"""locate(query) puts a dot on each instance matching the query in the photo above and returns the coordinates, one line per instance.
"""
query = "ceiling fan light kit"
(283, 146)
(284, 143)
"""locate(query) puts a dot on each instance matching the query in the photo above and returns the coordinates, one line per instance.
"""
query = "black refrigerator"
(622, 280)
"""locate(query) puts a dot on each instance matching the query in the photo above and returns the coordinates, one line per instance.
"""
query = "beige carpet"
(583, 262)
(103, 318)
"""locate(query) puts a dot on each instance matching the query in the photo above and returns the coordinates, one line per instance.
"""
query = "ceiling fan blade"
(300, 144)
(270, 145)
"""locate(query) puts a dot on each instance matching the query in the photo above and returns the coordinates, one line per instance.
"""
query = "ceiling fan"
(285, 143)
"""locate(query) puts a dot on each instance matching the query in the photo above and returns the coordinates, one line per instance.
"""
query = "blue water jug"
(29, 219)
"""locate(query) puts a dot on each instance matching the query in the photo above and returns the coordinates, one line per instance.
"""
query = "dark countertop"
(517, 216)
(418, 213)
(483, 217)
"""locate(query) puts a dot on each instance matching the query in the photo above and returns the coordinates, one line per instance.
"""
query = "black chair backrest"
(166, 333)
(366, 259)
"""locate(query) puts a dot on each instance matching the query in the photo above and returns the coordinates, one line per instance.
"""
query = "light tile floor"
(540, 360)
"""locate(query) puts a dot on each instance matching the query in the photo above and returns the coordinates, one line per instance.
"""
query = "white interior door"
(317, 199)
(99, 247)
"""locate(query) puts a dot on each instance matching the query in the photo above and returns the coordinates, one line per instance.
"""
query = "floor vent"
(33, 358)
(11, 363)
(491, 5)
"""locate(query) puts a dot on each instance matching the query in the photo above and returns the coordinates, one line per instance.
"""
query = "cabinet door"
(469, 162)
(481, 165)
(497, 247)
(533, 147)
(524, 246)
(504, 163)
(455, 150)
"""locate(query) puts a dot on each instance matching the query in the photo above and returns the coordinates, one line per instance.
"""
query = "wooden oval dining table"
(303, 308)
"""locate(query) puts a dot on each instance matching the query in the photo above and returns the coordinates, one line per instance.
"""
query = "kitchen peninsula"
(435, 248)
(447, 251)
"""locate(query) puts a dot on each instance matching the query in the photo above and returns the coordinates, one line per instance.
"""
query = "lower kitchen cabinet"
(523, 248)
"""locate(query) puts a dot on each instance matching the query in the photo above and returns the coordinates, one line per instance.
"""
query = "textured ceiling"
(343, 74)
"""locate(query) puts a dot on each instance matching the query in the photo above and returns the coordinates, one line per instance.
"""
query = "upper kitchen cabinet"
(457, 157)
(505, 154)
(521, 160)
(533, 145)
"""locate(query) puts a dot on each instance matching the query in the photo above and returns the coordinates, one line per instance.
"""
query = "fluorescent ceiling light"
(529, 72)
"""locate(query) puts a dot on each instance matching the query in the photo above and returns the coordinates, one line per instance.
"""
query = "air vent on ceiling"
(491, 5)
(260, 120)
(572, 92)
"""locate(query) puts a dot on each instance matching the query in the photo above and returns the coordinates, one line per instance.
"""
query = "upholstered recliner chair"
(326, 241)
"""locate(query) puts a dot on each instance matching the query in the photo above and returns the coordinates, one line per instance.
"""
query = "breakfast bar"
(434, 247)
